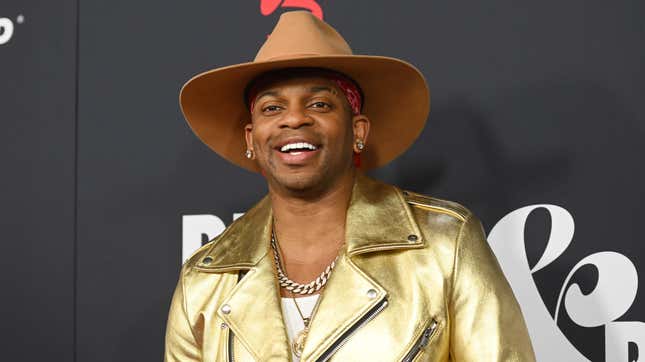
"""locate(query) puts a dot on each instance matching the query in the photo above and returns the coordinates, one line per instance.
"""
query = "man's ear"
(361, 128)
(248, 136)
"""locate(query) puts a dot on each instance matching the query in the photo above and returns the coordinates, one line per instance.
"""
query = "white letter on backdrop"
(192, 229)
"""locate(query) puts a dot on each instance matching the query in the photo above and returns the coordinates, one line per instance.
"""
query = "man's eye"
(322, 105)
(271, 108)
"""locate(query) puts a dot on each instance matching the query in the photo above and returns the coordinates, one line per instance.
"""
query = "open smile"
(297, 152)
(296, 147)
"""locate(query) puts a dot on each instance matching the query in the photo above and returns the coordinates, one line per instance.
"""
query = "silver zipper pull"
(427, 334)
(422, 342)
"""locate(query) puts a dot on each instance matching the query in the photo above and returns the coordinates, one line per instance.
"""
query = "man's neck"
(308, 228)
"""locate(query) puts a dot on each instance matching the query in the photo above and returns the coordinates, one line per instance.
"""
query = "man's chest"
(385, 307)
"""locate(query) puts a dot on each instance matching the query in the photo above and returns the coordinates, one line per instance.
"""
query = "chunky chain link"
(294, 287)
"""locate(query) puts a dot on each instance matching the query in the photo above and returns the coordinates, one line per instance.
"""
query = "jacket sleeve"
(181, 343)
(486, 320)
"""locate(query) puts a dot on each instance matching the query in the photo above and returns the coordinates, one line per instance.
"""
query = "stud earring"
(360, 145)
(249, 154)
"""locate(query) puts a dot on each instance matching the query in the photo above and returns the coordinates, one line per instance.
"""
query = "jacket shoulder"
(197, 257)
(199, 254)
(436, 206)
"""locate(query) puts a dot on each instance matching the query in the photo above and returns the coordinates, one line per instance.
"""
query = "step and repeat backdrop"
(537, 125)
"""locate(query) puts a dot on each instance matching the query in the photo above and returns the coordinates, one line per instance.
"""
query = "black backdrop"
(532, 104)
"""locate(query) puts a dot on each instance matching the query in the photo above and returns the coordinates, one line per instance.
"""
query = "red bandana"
(351, 92)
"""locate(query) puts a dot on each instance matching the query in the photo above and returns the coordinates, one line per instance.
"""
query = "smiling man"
(332, 265)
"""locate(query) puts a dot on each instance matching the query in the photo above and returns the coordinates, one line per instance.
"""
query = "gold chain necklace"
(298, 342)
(295, 287)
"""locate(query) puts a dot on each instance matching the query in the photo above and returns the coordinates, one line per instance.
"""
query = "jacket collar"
(378, 218)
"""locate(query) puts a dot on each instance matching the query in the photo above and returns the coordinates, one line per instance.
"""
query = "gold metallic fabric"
(416, 281)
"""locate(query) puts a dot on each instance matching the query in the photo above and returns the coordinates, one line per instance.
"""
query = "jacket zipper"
(421, 342)
(326, 355)
(229, 343)
(230, 346)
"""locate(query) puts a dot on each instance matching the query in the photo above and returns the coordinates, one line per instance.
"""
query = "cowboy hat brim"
(396, 100)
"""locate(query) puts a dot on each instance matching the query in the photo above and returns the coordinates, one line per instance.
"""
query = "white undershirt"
(292, 319)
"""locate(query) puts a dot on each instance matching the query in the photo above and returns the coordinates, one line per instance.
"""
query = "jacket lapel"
(254, 309)
(349, 296)
(378, 218)
(256, 316)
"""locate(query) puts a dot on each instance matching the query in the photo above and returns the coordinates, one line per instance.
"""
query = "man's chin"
(300, 182)
(307, 181)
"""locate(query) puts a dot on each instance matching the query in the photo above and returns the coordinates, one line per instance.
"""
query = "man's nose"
(295, 117)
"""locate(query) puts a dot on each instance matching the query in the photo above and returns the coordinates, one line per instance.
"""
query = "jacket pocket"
(422, 341)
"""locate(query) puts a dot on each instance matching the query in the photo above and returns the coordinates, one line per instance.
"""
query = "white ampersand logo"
(6, 30)
(612, 296)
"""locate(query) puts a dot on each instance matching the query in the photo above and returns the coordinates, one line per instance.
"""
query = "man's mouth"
(295, 148)
(297, 152)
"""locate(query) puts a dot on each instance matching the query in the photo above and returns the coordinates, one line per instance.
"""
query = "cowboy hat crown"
(298, 34)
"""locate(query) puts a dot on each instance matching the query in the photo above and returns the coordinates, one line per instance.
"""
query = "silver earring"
(360, 145)
(249, 154)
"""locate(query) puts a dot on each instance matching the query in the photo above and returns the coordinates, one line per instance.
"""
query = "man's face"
(303, 133)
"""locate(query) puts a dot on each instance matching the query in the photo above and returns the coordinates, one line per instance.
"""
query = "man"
(332, 265)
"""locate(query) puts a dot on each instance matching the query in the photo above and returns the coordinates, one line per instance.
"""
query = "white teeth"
(297, 146)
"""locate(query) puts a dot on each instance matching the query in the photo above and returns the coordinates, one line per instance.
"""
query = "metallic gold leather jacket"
(416, 281)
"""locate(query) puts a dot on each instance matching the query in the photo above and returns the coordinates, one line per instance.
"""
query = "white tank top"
(292, 320)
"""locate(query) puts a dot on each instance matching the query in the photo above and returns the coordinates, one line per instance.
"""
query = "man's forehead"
(310, 84)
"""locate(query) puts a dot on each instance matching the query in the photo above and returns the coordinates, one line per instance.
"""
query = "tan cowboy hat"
(396, 96)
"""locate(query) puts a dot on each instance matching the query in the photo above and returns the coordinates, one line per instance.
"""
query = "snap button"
(207, 260)
(372, 293)
(223, 326)
(226, 309)
(412, 237)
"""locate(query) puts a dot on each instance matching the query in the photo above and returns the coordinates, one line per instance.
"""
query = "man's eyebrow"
(316, 89)
(270, 92)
